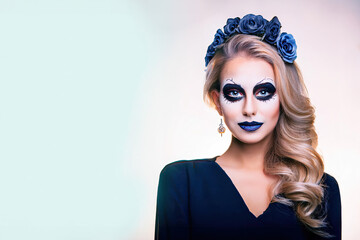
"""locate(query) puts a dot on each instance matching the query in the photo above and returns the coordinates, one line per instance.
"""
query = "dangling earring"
(221, 128)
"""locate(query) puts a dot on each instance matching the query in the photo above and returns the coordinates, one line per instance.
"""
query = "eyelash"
(226, 96)
(226, 100)
(263, 100)
(266, 98)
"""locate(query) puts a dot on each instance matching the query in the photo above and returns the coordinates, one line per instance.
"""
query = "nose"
(249, 107)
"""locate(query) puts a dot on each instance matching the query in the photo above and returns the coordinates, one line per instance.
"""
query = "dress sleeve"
(333, 207)
(172, 209)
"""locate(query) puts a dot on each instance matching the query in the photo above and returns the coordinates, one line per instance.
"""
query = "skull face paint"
(248, 99)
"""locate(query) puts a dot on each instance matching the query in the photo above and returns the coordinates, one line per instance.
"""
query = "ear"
(215, 95)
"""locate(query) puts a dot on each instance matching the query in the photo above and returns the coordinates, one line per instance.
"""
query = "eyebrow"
(230, 79)
(265, 78)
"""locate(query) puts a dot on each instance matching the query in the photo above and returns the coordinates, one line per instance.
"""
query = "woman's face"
(248, 100)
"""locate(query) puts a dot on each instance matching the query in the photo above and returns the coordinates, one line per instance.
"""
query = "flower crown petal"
(231, 25)
(251, 24)
(272, 31)
(287, 47)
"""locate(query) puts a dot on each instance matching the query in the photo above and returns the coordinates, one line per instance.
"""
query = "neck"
(247, 156)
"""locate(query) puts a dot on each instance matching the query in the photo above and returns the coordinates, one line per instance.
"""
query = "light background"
(97, 96)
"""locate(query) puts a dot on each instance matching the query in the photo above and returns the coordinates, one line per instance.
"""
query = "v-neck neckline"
(238, 193)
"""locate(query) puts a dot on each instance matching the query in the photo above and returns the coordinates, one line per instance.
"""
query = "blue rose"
(231, 25)
(286, 46)
(208, 59)
(209, 54)
(219, 38)
(211, 49)
(272, 30)
(251, 24)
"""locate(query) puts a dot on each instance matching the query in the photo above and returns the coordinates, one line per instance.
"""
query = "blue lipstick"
(250, 126)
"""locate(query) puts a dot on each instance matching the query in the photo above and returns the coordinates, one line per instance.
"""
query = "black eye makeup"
(263, 92)
(233, 92)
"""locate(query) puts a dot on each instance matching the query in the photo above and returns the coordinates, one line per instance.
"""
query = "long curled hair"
(292, 156)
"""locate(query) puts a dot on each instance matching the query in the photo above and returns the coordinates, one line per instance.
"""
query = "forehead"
(246, 71)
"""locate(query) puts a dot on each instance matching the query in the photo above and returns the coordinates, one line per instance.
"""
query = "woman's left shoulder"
(330, 181)
(331, 187)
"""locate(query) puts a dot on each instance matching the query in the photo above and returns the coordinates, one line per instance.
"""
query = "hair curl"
(292, 156)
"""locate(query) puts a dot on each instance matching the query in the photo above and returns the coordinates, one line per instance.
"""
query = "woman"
(270, 182)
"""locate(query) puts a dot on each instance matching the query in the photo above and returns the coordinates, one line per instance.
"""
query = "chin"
(251, 137)
(249, 140)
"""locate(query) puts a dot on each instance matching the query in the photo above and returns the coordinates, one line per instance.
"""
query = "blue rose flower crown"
(251, 24)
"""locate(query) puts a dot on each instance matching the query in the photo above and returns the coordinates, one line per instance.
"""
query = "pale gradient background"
(97, 96)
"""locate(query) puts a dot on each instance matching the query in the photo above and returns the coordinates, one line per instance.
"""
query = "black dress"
(197, 200)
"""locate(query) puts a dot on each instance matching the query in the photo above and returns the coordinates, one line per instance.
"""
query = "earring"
(221, 128)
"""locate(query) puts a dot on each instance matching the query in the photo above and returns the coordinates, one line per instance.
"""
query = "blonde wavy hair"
(292, 156)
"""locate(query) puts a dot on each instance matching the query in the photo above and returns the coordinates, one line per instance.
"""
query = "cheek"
(272, 109)
(231, 109)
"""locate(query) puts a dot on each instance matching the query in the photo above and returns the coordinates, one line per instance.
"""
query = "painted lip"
(250, 126)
